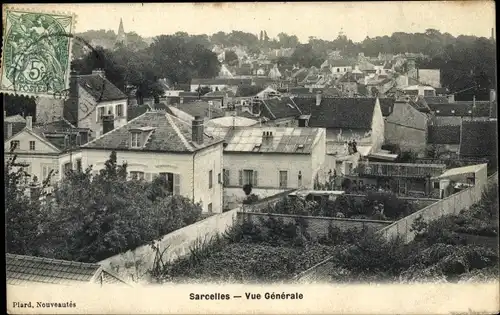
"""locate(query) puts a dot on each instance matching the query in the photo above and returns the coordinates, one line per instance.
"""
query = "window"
(119, 110)
(248, 177)
(210, 179)
(84, 138)
(210, 208)
(14, 144)
(435, 185)
(338, 69)
(66, 168)
(32, 145)
(226, 177)
(172, 182)
(137, 175)
(79, 165)
(299, 179)
(283, 179)
(100, 113)
(134, 141)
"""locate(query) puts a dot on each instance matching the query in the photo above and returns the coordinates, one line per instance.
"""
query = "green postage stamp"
(36, 53)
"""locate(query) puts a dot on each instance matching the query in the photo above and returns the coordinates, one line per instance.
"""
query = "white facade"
(191, 170)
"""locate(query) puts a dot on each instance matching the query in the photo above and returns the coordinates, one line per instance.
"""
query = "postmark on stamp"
(36, 56)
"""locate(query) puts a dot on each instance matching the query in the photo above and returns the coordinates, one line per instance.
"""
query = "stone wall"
(317, 226)
(133, 265)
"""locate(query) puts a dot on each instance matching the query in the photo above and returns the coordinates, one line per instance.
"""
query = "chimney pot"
(197, 130)
(29, 122)
(9, 130)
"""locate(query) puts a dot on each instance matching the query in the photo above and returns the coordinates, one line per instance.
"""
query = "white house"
(92, 98)
(159, 144)
(421, 90)
(47, 149)
(271, 159)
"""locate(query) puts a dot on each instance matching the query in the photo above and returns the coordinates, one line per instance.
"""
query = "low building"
(46, 150)
(220, 84)
(400, 178)
(29, 270)
(159, 144)
(271, 160)
(444, 141)
(421, 90)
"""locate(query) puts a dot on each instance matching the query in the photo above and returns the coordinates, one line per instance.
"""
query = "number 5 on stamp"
(36, 53)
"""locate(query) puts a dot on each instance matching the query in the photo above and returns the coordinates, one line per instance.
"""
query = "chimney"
(29, 122)
(99, 72)
(9, 130)
(318, 98)
(197, 130)
(70, 110)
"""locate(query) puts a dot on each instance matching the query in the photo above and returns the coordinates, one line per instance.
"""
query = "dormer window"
(135, 139)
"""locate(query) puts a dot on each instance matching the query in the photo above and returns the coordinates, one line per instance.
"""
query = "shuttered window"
(210, 179)
(226, 177)
(148, 176)
(177, 184)
(255, 182)
(240, 178)
(283, 179)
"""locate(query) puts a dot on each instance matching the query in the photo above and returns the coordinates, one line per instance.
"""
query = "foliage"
(231, 58)
(247, 188)
(305, 56)
(94, 217)
(26, 219)
(252, 198)
(249, 253)
(407, 157)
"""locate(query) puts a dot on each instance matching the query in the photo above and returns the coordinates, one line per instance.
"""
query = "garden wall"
(133, 265)
(418, 203)
(453, 204)
(450, 205)
(317, 226)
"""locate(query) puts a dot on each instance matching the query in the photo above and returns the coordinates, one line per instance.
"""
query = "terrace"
(405, 170)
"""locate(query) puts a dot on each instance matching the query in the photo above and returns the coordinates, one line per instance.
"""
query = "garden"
(274, 251)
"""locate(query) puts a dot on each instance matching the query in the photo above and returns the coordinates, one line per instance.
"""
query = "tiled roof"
(279, 107)
(221, 81)
(201, 108)
(17, 127)
(479, 139)
(170, 134)
(14, 119)
(230, 121)
(443, 135)
(351, 77)
(136, 111)
(340, 63)
(283, 140)
(436, 99)
(100, 88)
(27, 269)
(61, 125)
(352, 113)
(482, 109)
(420, 104)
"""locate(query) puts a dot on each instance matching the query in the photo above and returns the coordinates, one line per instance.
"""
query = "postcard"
(251, 158)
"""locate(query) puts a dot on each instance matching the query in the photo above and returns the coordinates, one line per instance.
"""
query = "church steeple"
(121, 33)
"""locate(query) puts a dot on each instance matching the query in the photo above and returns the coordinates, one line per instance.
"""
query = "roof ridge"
(46, 259)
(109, 133)
(179, 133)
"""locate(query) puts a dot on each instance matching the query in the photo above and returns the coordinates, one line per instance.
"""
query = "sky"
(304, 19)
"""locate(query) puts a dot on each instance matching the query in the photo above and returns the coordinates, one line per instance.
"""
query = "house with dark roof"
(30, 270)
(271, 159)
(157, 143)
(456, 112)
(278, 111)
(445, 140)
(48, 150)
(93, 103)
(205, 109)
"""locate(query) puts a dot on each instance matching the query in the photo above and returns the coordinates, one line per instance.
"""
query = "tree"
(305, 56)
(231, 58)
(288, 41)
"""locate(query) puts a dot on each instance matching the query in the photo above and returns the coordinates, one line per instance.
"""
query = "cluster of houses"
(209, 146)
